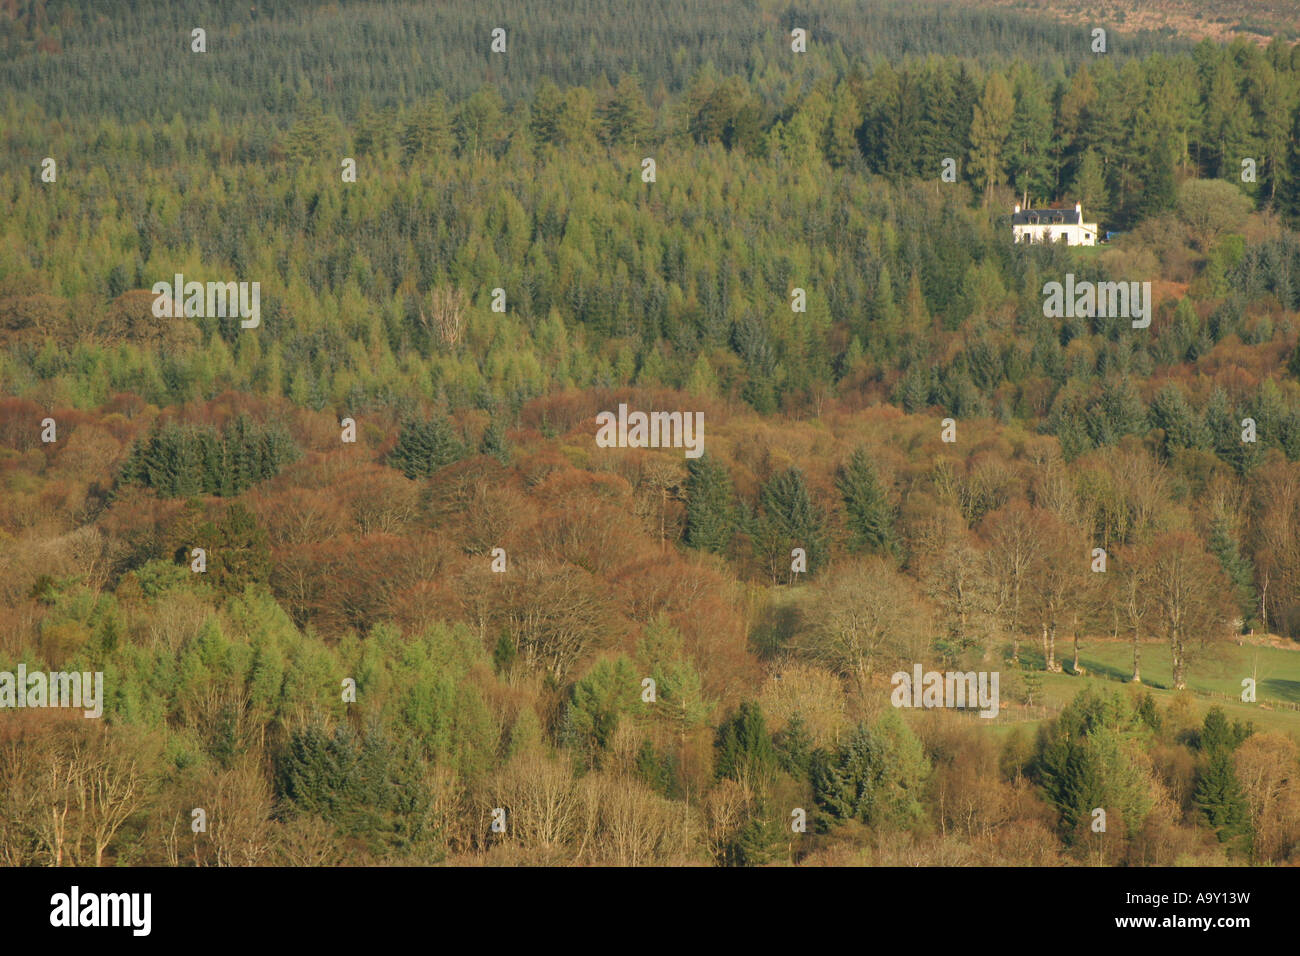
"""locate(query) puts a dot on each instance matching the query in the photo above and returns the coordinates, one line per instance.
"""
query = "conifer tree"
(989, 131)
(427, 132)
(710, 508)
(744, 747)
(1220, 799)
(870, 515)
(789, 519)
(1237, 566)
(425, 446)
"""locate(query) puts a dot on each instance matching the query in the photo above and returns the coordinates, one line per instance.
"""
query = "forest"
(363, 584)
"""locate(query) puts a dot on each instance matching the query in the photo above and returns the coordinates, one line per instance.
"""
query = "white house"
(1052, 225)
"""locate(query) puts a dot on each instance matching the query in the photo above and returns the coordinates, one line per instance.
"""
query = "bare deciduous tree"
(446, 315)
(1189, 590)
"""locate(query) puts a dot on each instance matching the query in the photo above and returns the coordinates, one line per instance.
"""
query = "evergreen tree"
(494, 442)
(1028, 159)
(1217, 734)
(239, 551)
(1089, 188)
(1072, 780)
(990, 128)
(625, 118)
(875, 776)
(794, 748)
(841, 134)
(755, 843)
(1237, 566)
(425, 446)
(869, 513)
(744, 748)
(1221, 800)
(710, 508)
(1288, 191)
(427, 132)
(1159, 189)
(596, 705)
(546, 113)
(790, 519)
(1174, 415)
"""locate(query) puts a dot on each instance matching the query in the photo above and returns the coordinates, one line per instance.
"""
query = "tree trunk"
(1137, 658)
(1263, 604)
(1180, 664)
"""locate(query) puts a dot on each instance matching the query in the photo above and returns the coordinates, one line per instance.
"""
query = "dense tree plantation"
(392, 482)
(128, 59)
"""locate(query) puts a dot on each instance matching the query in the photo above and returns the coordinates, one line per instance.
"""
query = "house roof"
(1046, 217)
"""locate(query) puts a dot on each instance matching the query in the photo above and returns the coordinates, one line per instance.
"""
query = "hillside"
(323, 342)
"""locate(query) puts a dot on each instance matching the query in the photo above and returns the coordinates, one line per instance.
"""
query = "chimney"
(1078, 207)
(1017, 209)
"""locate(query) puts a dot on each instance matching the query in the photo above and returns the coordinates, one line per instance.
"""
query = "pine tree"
(989, 131)
(494, 442)
(790, 519)
(841, 131)
(1089, 188)
(625, 118)
(427, 132)
(1217, 734)
(744, 748)
(756, 842)
(1030, 138)
(1220, 799)
(1072, 781)
(1238, 567)
(1288, 192)
(425, 446)
(546, 112)
(1174, 415)
(794, 748)
(311, 132)
(875, 776)
(1159, 189)
(710, 508)
(869, 514)
(239, 552)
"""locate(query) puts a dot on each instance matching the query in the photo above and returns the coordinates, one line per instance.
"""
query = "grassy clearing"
(1211, 681)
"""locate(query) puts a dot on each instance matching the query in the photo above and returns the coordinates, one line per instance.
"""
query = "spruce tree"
(870, 515)
(1220, 799)
(1072, 780)
(794, 748)
(1238, 567)
(710, 509)
(1217, 734)
(494, 442)
(423, 447)
(744, 748)
(875, 776)
(755, 843)
(1288, 193)
(790, 519)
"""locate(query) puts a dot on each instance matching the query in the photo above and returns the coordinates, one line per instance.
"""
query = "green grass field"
(1210, 681)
